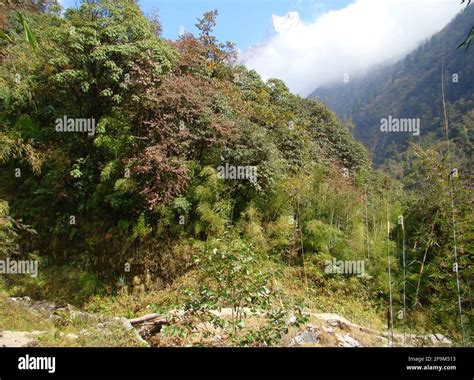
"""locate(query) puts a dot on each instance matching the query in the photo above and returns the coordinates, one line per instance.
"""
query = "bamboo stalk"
(453, 209)
(389, 275)
(404, 283)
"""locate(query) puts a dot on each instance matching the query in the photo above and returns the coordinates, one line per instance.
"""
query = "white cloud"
(282, 24)
(349, 41)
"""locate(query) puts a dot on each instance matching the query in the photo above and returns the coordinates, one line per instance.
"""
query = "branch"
(148, 317)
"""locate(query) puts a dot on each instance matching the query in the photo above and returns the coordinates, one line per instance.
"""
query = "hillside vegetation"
(411, 88)
(199, 187)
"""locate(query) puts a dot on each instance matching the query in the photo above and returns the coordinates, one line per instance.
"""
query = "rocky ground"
(322, 330)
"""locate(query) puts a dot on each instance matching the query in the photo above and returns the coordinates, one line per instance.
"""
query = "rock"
(431, 340)
(340, 324)
(308, 336)
(18, 338)
(26, 300)
(45, 307)
(439, 339)
(329, 330)
(291, 320)
(128, 326)
(347, 341)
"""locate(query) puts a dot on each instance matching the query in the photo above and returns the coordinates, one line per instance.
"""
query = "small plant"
(234, 298)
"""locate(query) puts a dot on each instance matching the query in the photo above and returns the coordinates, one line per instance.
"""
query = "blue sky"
(244, 22)
(351, 39)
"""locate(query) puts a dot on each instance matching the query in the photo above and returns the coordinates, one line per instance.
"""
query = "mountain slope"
(412, 89)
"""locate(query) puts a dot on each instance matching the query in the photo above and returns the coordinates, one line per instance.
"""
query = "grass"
(63, 331)
(346, 297)
(16, 317)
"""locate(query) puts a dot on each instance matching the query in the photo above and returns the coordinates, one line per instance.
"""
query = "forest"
(411, 87)
(154, 177)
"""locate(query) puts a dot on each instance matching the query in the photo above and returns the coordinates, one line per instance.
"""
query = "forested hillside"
(148, 175)
(412, 89)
